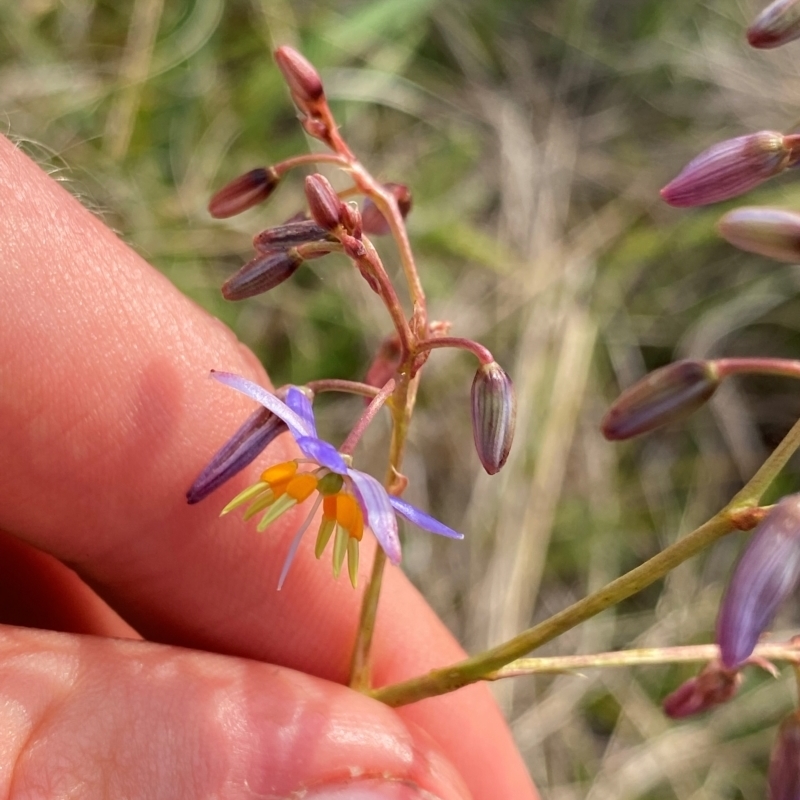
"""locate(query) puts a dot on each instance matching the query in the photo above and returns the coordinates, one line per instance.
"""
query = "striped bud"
(324, 203)
(290, 234)
(261, 427)
(767, 573)
(777, 24)
(730, 168)
(262, 274)
(373, 221)
(303, 81)
(712, 686)
(494, 414)
(783, 775)
(666, 395)
(770, 232)
(244, 192)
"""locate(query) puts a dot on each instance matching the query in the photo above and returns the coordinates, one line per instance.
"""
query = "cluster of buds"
(350, 501)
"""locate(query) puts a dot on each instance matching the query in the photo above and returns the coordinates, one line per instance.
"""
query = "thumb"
(95, 718)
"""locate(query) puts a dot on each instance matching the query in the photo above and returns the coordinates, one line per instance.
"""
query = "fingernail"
(370, 789)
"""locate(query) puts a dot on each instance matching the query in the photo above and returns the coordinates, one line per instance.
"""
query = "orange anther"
(329, 506)
(301, 486)
(349, 516)
(279, 473)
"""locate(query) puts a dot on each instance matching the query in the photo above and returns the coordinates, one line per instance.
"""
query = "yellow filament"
(349, 516)
(279, 473)
(301, 486)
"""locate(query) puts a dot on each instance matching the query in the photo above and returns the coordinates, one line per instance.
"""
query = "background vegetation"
(535, 136)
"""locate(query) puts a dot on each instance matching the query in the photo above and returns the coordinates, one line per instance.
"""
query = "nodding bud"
(324, 203)
(494, 415)
(777, 24)
(262, 274)
(260, 428)
(713, 685)
(290, 234)
(783, 775)
(730, 168)
(303, 81)
(373, 221)
(666, 395)
(770, 232)
(767, 573)
(244, 192)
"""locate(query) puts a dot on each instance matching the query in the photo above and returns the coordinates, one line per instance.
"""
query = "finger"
(107, 415)
(38, 591)
(97, 718)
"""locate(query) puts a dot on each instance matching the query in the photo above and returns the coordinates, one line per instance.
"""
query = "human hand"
(106, 417)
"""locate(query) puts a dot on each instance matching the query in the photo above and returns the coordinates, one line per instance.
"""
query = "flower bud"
(777, 24)
(303, 81)
(494, 414)
(767, 573)
(262, 274)
(728, 169)
(373, 221)
(783, 775)
(244, 192)
(712, 686)
(290, 234)
(260, 428)
(324, 203)
(770, 232)
(666, 395)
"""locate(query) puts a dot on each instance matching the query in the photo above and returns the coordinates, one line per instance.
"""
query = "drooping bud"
(777, 24)
(730, 168)
(783, 775)
(244, 192)
(324, 203)
(770, 232)
(767, 573)
(494, 415)
(303, 81)
(262, 274)
(260, 428)
(373, 221)
(666, 395)
(290, 234)
(713, 685)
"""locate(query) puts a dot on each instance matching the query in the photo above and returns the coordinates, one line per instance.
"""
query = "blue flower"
(351, 500)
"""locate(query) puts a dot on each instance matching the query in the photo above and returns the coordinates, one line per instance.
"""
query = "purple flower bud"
(712, 686)
(494, 415)
(666, 395)
(728, 169)
(373, 221)
(770, 232)
(260, 428)
(783, 775)
(290, 234)
(262, 274)
(323, 202)
(244, 192)
(767, 573)
(777, 24)
(303, 81)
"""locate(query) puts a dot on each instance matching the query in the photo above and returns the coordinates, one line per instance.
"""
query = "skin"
(177, 669)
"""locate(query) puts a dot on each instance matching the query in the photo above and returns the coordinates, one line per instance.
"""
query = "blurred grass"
(535, 136)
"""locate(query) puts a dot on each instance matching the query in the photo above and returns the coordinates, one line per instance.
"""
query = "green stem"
(476, 668)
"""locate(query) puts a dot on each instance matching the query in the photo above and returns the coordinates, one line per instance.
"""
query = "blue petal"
(323, 453)
(423, 520)
(296, 424)
(301, 405)
(378, 512)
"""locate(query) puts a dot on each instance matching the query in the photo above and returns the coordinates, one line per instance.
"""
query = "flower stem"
(478, 350)
(369, 414)
(340, 385)
(646, 656)
(448, 679)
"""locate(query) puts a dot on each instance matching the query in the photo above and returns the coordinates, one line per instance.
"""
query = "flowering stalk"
(476, 668)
